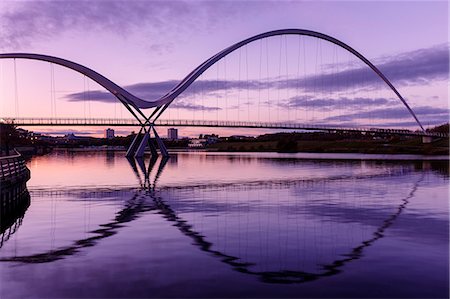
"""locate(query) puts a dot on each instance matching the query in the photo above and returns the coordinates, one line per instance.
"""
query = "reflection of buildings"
(109, 133)
(172, 134)
(173, 160)
(110, 158)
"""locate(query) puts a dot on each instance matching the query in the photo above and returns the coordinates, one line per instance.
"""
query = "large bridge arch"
(163, 102)
(191, 77)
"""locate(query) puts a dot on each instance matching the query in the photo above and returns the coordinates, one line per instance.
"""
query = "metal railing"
(46, 121)
(13, 168)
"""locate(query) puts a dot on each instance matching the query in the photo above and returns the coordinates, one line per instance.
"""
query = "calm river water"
(229, 225)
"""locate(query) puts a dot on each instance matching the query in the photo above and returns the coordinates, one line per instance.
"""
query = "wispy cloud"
(334, 103)
(189, 106)
(424, 113)
(154, 91)
(412, 68)
(23, 23)
(417, 67)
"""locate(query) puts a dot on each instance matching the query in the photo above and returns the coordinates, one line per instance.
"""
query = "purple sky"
(149, 46)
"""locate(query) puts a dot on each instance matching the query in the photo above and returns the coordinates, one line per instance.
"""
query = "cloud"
(334, 103)
(149, 91)
(23, 23)
(95, 95)
(417, 67)
(188, 106)
(154, 90)
(412, 124)
(426, 114)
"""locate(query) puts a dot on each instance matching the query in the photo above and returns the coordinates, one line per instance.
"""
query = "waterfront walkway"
(13, 170)
(14, 196)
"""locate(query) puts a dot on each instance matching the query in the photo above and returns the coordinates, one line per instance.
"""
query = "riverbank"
(434, 151)
(346, 146)
(411, 146)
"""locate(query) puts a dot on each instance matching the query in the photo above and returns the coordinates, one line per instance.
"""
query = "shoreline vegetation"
(412, 146)
(345, 146)
(294, 142)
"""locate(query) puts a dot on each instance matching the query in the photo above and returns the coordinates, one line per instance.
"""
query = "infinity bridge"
(281, 89)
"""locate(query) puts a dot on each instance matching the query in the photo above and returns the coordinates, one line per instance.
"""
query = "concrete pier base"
(427, 139)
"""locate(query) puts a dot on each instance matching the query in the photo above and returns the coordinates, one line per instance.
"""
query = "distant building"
(197, 143)
(211, 139)
(70, 136)
(172, 134)
(109, 133)
(239, 137)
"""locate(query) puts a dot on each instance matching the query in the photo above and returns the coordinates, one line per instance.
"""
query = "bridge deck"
(127, 122)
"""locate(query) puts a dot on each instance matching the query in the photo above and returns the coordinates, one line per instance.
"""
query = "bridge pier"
(134, 144)
(141, 148)
(138, 145)
(161, 145)
(427, 139)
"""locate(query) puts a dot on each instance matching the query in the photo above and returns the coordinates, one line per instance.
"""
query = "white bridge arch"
(131, 101)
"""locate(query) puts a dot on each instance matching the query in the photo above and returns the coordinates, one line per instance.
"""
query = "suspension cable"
(287, 73)
(279, 80)
(225, 87)
(217, 94)
(16, 92)
(84, 97)
(259, 82)
(89, 97)
(297, 97)
(53, 93)
(248, 87)
(239, 88)
(268, 77)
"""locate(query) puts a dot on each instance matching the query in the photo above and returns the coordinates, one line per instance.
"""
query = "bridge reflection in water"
(281, 231)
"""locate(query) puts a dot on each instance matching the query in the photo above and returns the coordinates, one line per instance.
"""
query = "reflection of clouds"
(297, 221)
(439, 115)
(423, 227)
(316, 261)
(132, 210)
